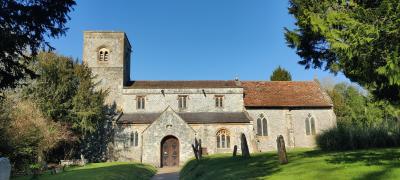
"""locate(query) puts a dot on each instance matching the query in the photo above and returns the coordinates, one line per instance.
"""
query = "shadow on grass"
(389, 159)
(227, 167)
(117, 171)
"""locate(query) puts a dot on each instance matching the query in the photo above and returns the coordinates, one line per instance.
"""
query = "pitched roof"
(181, 84)
(284, 94)
(190, 118)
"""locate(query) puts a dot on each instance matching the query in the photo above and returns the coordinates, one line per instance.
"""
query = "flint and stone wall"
(197, 101)
(291, 125)
(111, 75)
(208, 135)
(168, 124)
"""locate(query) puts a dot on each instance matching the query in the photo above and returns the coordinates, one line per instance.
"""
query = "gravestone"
(234, 150)
(244, 146)
(195, 152)
(5, 169)
(281, 150)
(197, 149)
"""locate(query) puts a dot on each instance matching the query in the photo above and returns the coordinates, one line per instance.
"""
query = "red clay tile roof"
(181, 84)
(284, 94)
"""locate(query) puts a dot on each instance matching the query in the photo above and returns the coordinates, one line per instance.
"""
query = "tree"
(25, 24)
(359, 38)
(353, 108)
(65, 92)
(280, 74)
(28, 136)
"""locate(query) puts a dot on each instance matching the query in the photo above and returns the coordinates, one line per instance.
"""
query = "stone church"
(159, 120)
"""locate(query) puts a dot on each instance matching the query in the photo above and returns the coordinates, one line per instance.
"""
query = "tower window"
(182, 102)
(140, 104)
(219, 101)
(103, 54)
(106, 56)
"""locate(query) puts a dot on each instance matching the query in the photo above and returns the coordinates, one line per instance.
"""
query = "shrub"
(359, 137)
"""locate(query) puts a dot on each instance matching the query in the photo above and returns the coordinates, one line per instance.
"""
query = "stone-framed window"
(134, 139)
(310, 125)
(223, 138)
(219, 101)
(140, 102)
(262, 126)
(182, 102)
(103, 54)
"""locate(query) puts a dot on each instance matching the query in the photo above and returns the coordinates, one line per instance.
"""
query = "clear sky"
(194, 39)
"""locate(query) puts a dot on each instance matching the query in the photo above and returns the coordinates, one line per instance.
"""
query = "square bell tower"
(107, 54)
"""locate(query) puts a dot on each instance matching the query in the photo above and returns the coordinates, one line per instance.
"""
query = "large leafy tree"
(280, 74)
(66, 93)
(360, 38)
(353, 108)
(29, 136)
(24, 27)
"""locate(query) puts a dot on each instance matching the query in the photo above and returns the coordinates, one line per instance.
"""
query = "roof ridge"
(179, 80)
(275, 81)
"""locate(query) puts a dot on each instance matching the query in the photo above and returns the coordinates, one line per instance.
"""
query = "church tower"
(107, 54)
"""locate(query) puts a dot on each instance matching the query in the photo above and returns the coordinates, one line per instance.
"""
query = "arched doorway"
(169, 151)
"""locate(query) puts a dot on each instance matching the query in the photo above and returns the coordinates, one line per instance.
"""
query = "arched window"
(310, 125)
(223, 139)
(103, 54)
(106, 56)
(134, 139)
(262, 126)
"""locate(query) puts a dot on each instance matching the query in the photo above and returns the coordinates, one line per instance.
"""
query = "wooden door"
(170, 151)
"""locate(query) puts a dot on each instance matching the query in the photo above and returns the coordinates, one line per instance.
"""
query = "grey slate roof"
(190, 118)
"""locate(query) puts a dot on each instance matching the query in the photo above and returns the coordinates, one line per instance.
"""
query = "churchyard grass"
(303, 164)
(100, 171)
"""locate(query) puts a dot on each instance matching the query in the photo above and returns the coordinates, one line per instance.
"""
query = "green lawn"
(303, 164)
(96, 171)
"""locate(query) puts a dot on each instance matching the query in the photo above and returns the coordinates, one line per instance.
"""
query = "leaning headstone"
(197, 149)
(244, 146)
(195, 152)
(281, 150)
(234, 150)
(5, 169)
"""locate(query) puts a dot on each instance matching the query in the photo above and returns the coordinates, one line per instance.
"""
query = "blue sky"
(194, 39)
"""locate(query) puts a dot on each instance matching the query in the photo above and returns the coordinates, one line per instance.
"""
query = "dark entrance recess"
(169, 151)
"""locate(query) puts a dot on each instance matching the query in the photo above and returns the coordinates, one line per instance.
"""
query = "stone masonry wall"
(207, 134)
(111, 74)
(279, 123)
(196, 102)
(122, 149)
(168, 124)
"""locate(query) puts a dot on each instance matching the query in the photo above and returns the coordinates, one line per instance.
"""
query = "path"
(167, 173)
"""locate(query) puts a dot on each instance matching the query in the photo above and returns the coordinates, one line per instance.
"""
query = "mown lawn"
(303, 164)
(99, 171)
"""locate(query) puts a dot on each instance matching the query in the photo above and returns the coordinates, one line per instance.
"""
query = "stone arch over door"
(169, 151)
(167, 124)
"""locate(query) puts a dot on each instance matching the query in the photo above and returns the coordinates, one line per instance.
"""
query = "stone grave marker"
(244, 146)
(281, 150)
